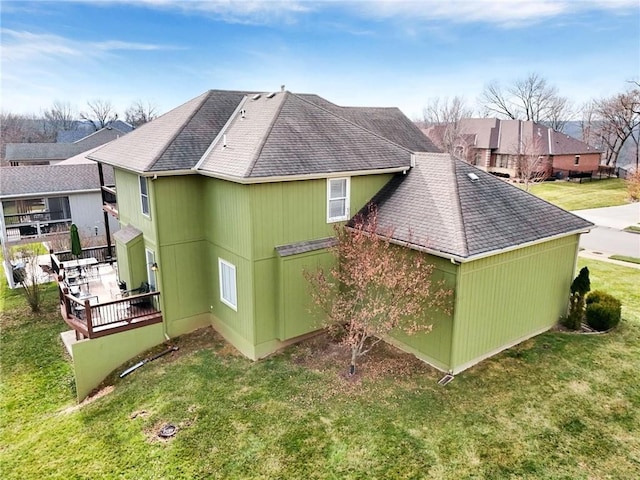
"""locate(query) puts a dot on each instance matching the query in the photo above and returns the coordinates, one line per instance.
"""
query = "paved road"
(607, 237)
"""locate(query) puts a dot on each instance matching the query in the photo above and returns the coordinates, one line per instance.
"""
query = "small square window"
(144, 195)
(337, 199)
(227, 276)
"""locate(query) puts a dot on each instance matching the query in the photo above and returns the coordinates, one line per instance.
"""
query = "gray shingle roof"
(389, 123)
(306, 139)
(306, 246)
(44, 179)
(176, 140)
(303, 135)
(438, 207)
(285, 135)
(41, 151)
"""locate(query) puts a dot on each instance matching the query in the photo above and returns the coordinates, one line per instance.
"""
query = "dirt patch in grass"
(322, 354)
(90, 399)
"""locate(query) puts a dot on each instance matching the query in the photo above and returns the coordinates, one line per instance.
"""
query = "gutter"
(308, 176)
(61, 192)
(458, 259)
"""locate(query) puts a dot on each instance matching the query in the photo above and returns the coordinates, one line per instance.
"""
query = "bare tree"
(532, 163)
(442, 117)
(140, 112)
(530, 98)
(19, 128)
(60, 116)
(100, 113)
(375, 288)
(612, 121)
(28, 276)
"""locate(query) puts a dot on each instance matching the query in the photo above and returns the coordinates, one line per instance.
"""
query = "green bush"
(603, 311)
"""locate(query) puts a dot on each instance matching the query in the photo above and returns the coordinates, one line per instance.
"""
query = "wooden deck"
(100, 308)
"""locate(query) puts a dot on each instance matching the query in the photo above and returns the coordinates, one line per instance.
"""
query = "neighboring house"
(497, 146)
(82, 129)
(20, 154)
(42, 200)
(232, 195)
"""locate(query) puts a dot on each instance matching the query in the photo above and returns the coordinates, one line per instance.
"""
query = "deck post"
(87, 314)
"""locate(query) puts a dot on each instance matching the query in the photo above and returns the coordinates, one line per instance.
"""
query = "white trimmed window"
(227, 274)
(144, 196)
(337, 199)
(576, 161)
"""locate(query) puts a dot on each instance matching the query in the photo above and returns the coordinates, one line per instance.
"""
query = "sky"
(357, 53)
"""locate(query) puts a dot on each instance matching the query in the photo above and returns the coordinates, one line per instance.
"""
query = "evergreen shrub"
(603, 311)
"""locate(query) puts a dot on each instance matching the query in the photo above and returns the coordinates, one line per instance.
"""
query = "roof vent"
(473, 177)
(271, 95)
(256, 96)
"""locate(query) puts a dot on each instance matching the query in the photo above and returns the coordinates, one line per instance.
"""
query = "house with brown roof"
(500, 146)
(227, 199)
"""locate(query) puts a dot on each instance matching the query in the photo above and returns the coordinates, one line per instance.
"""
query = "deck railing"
(93, 320)
(103, 254)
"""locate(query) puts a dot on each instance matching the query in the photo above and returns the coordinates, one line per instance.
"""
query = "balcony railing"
(94, 320)
(35, 217)
(109, 200)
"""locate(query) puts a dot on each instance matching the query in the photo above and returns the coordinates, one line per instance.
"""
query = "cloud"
(253, 12)
(27, 46)
(512, 13)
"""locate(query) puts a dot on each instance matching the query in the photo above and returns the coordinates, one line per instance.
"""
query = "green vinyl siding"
(506, 298)
(178, 202)
(240, 321)
(289, 212)
(434, 346)
(185, 275)
(295, 312)
(225, 209)
(129, 205)
(285, 213)
(132, 267)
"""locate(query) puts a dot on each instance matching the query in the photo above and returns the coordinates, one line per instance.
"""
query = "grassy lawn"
(558, 406)
(625, 258)
(580, 196)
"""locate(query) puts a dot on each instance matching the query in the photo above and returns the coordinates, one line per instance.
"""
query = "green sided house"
(233, 194)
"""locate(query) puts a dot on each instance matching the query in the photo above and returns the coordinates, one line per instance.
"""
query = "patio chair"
(143, 302)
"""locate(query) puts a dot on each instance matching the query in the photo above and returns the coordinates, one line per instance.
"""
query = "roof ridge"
(459, 203)
(206, 96)
(267, 132)
(352, 122)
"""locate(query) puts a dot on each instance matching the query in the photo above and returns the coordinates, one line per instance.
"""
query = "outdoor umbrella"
(76, 248)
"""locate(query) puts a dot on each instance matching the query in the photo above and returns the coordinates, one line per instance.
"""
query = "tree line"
(63, 116)
(609, 123)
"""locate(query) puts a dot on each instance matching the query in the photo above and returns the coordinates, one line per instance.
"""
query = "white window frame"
(151, 275)
(222, 264)
(576, 160)
(144, 196)
(347, 199)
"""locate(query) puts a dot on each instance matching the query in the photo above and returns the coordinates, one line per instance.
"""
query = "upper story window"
(577, 160)
(144, 196)
(337, 199)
